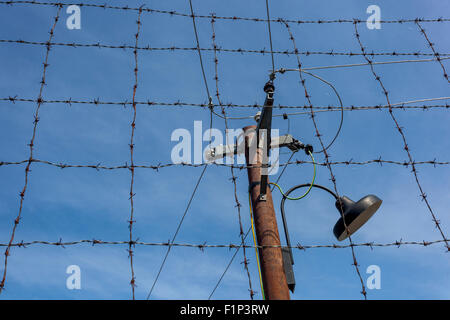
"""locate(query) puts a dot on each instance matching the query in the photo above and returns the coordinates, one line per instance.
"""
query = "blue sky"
(75, 204)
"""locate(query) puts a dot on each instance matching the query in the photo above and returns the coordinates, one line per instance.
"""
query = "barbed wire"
(351, 162)
(226, 18)
(226, 50)
(431, 45)
(31, 146)
(133, 128)
(326, 155)
(180, 104)
(402, 134)
(204, 245)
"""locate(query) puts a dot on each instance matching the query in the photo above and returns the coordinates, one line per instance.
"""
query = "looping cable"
(310, 187)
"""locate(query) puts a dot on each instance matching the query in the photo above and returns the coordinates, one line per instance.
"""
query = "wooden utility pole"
(271, 261)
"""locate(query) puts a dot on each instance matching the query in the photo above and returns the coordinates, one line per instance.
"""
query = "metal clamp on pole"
(221, 151)
(264, 126)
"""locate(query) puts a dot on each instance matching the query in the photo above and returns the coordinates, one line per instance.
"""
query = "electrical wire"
(283, 215)
(199, 52)
(342, 110)
(256, 249)
(310, 187)
(283, 70)
(270, 36)
(176, 232)
(228, 265)
(204, 169)
(284, 197)
(252, 223)
(340, 102)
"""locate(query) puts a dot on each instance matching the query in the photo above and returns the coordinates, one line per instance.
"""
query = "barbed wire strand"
(133, 128)
(233, 176)
(431, 45)
(99, 166)
(218, 49)
(326, 155)
(202, 246)
(31, 146)
(180, 104)
(402, 134)
(226, 18)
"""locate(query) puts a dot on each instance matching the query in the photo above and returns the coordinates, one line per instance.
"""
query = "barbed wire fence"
(309, 109)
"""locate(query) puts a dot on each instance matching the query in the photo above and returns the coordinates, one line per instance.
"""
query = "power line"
(270, 35)
(176, 232)
(204, 168)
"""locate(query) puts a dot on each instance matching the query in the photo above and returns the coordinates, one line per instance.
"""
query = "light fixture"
(355, 215)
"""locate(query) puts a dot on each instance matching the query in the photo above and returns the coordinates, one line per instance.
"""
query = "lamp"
(355, 215)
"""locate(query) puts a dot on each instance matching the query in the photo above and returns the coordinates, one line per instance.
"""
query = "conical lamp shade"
(355, 214)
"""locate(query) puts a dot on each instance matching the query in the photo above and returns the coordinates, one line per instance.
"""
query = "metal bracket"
(222, 151)
(265, 123)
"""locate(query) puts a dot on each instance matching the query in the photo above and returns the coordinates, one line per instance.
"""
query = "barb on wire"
(31, 146)
(180, 104)
(133, 128)
(94, 242)
(233, 177)
(226, 18)
(431, 45)
(326, 155)
(241, 51)
(402, 134)
(352, 162)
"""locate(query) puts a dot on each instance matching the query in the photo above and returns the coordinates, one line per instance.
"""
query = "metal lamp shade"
(355, 214)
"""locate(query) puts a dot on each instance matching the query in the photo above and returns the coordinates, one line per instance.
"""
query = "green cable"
(310, 187)
(256, 248)
(252, 223)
